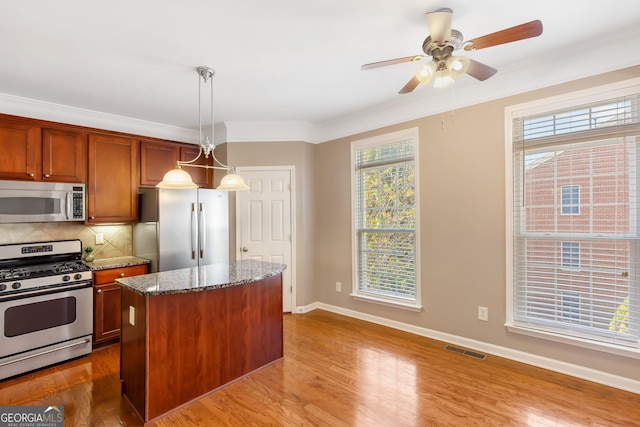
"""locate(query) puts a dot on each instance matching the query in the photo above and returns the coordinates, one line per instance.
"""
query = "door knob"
(245, 249)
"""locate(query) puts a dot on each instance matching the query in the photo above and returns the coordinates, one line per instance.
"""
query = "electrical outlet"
(132, 316)
(483, 313)
(338, 287)
(99, 239)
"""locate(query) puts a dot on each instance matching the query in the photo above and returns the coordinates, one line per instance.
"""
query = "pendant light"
(180, 179)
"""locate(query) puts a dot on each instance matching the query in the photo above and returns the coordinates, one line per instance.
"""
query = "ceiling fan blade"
(410, 86)
(480, 71)
(439, 24)
(519, 32)
(392, 62)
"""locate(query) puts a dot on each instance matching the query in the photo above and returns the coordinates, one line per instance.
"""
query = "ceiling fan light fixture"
(425, 72)
(443, 79)
(457, 66)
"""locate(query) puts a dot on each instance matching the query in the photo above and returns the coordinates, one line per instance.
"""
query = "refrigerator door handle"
(193, 230)
(203, 230)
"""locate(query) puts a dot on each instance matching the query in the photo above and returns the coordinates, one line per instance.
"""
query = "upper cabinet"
(112, 165)
(64, 155)
(112, 190)
(29, 152)
(201, 176)
(157, 158)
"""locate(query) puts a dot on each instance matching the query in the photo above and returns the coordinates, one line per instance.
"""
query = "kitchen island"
(190, 331)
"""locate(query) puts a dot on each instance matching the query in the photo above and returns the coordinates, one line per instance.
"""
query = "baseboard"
(565, 368)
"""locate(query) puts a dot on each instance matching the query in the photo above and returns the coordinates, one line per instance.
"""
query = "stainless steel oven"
(46, 305)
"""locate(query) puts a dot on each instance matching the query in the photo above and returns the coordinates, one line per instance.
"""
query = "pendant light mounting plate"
(206, 73)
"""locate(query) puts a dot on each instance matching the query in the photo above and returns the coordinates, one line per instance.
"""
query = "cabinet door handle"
(46, 175)
(99, 291)
(121, 274)
(92, 217)
(31, 175)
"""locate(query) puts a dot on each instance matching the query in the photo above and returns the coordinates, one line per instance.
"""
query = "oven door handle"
(83, 342)
(46, 291)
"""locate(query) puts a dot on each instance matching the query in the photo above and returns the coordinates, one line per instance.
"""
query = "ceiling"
(285, 69)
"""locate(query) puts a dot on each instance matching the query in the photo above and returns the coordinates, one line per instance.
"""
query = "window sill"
(576, 341)
(390, 303)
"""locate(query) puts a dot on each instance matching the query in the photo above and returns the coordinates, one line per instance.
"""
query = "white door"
(264, 222)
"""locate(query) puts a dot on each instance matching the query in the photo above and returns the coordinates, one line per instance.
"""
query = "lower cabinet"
(106, 301)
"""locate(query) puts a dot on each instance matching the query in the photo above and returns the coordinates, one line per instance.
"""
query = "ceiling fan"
(443, 41)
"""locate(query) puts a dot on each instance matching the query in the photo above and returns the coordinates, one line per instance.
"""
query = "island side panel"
(199, 341)
(133, 349)
(262, 313)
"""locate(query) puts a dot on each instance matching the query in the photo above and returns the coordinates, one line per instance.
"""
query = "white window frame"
(416, 305)
(569, 206)
(569, 300)
(570, 255)
(596, 94)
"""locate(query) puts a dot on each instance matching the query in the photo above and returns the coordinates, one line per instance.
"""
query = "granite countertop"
(107, 263)
(206, 277)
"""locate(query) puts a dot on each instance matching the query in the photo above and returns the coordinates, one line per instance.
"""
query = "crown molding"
(43, 110)
(271, 131)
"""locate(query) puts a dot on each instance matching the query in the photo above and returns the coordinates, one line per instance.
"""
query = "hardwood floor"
(339, 371)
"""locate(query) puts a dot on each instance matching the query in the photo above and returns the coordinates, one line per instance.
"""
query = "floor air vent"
(465, 352)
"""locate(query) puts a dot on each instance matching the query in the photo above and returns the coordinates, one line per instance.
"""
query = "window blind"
(576, 245)
(385, 232)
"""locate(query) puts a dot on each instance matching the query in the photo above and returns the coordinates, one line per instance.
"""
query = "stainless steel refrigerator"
(182, 228)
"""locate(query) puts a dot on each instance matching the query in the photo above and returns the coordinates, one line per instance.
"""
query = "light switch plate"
(99, 239)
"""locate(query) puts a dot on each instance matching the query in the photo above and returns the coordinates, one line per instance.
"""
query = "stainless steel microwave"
(28, 201)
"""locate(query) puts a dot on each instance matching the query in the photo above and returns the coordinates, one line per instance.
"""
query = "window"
(385, 204)
(571, 255)
(570, 199)
(573, 220)
(570, 307)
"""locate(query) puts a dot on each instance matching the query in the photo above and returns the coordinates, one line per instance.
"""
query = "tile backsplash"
(118, 240)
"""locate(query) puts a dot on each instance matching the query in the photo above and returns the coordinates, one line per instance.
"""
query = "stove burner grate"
(42, 270)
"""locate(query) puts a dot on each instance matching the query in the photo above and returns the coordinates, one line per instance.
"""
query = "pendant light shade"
(232, 182)
(177, 178)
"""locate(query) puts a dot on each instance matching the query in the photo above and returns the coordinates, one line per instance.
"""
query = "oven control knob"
(66, 278)
(78, 276)
(3, 287)
(16, 285)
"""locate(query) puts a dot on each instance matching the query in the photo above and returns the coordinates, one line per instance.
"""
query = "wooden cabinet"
(64, 155)
(157, 158)
(201, 176)
(31, 153)
(113, 177)
(106, 301)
